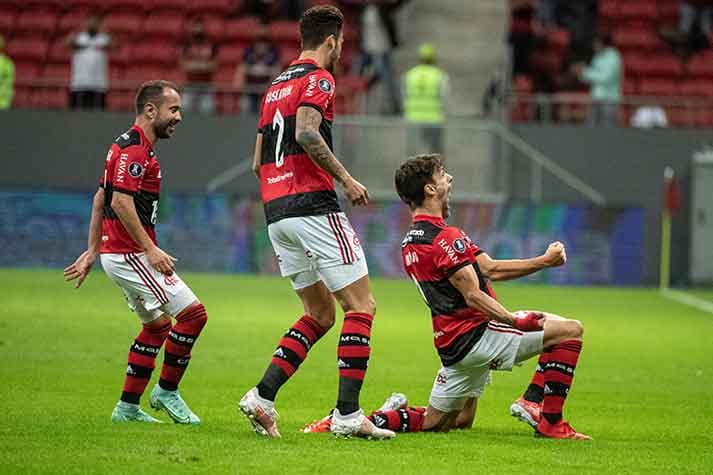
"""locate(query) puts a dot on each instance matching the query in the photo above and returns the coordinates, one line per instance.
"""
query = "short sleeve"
(453, 251)
(318, 91)
(129, 170)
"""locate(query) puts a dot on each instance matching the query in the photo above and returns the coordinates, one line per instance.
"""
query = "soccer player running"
(121, 232)
(314, 242)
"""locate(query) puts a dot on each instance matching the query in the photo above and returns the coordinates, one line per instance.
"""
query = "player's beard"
(162, 129)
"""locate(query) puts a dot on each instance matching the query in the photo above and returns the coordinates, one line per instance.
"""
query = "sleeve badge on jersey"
(459, 246)
(136, 170)
(325, 85)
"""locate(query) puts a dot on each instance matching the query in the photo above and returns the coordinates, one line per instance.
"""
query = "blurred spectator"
(89, 79)
(694, 27)
(425, 94)
(649, 117)
(379, 37)
(7, 77)
(198, 61)
(522, 36)
(261, 63)
(604, 75)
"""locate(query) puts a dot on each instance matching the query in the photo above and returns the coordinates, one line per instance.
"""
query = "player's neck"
(315, 55)
(146, 129)
(429, 210)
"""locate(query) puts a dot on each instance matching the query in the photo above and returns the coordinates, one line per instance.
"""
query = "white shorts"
(148, 292)
(314, 248)
(500, 347)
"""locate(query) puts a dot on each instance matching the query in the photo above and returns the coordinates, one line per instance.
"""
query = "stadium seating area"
(148, 34)
(651, 69)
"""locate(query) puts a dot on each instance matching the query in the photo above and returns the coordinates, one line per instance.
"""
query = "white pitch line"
(689, 300)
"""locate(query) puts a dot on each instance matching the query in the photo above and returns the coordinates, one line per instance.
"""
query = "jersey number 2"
(279, 122)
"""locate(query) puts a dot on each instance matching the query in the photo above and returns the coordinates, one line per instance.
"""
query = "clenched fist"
(555, 255)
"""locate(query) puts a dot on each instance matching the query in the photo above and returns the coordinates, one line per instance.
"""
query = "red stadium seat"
(668, 66)
(169, 25)
(701, 66)
(59, 52)
(71, 21)
(8, 15)
(120, 99)
(243, 29)
(658, 87)
(204, 7)
(124, 23)
(608, 11)
(138, 73)
(231, 53)
(156, 52)
(227, 102)
(121, 55)
(169, 5)
(214, 27)
(680, 116)
(27, 48)
(637, 39)
(285, 32)
(668, 12)
(697, 87)
(522, 84)
(638, 11)
(630, 87)
(26, 72)
(58, 72)
(50, 97)
(136, 6)
(225, 74)
(23, 97)
(42, 21)
(289, 54)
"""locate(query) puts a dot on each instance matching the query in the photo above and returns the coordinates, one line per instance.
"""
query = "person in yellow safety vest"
(425, 90)
(7, 77)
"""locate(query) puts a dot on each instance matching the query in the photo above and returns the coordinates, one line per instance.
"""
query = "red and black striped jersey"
(432, 252)
(291, 184)
(131, 167)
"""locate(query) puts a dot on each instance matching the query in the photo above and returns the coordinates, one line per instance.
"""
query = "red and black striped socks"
(353, 357)
(181, 339)
(558, 375)
(289, 355)
(142, 358)
(535, 392)
(409, 419)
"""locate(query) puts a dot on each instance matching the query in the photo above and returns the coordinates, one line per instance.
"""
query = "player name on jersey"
(291, 184)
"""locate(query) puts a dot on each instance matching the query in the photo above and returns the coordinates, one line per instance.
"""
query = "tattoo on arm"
(308, 136)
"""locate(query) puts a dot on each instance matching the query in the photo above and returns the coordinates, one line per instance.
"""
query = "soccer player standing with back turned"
(314, 242)
(121, 230)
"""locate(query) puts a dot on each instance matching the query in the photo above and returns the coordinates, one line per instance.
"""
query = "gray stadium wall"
(62, 150)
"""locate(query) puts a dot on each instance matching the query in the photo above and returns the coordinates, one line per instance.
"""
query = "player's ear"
(150, 110)
(332, 42)
(429, 189)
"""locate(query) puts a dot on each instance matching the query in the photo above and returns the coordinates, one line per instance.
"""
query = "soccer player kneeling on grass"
(121, 230)
(473, 332)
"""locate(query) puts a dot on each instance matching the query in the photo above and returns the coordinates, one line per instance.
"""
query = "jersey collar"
(306, 60)
(437, 220)
(142, 134)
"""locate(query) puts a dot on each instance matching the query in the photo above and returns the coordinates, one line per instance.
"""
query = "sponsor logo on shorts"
(441, 379)
(356, 241)
(170, 280)
(496, 363)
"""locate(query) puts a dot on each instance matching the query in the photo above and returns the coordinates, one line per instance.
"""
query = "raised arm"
(308, 137)
(506, 269)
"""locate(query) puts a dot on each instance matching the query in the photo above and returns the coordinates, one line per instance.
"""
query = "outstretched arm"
(307, 135)
(80, 268)
(499, 269)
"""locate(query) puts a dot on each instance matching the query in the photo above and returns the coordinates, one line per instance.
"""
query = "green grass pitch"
(643, 389)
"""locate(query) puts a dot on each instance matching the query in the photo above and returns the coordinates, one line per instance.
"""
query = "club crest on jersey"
(325, 85)
(136, 170)
(459, 246)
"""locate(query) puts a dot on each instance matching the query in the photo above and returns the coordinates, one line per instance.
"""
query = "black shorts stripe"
(314, 203)
(339, 233)
(460, 347)
(146, 279)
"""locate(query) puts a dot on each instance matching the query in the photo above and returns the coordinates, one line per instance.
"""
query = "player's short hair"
(317, 23)
(413, 175)
(153, 91)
